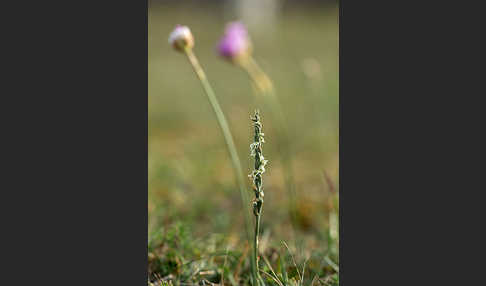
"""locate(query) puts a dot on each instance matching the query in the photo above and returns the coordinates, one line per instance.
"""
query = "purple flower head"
(235, 41)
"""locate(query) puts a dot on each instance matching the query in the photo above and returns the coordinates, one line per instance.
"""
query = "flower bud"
(181, 38)
(235, 42)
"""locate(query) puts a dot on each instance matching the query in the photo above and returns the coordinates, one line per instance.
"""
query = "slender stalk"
(257, 75)
(255, 246)
(257, 234)
(229, 143)
(257, 152)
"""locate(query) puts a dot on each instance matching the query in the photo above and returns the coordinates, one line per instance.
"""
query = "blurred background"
(191, 182)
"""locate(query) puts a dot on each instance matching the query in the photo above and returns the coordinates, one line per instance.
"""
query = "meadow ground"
(196, 225)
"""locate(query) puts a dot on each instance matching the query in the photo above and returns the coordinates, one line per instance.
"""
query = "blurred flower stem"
(226, 133)
(257, 75)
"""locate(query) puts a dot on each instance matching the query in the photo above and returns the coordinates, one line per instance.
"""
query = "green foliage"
(177, 257)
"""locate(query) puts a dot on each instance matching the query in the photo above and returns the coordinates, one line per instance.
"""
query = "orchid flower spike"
(181, 38)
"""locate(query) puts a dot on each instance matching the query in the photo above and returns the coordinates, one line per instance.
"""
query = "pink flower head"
(235, 41)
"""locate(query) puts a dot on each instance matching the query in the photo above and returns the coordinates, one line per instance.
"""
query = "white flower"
(181, 38)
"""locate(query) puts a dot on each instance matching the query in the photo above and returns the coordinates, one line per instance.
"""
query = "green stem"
(256, 243)
(227, 137)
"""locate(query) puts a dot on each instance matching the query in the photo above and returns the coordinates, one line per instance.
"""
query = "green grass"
(196, 226)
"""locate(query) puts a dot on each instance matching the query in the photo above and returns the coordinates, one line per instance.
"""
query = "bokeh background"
(191, 182)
